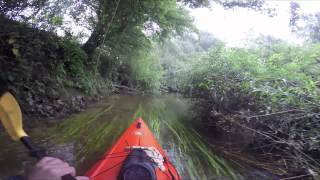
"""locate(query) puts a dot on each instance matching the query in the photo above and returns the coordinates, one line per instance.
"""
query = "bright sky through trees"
(236, 25)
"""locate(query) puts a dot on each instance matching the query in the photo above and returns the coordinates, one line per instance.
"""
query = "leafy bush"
(146, 71)
(74, 71)
(272, 91)
(74, 58)
(284, 79)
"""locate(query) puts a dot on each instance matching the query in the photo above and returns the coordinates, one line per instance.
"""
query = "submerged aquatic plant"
(190, 153)
(95, 130)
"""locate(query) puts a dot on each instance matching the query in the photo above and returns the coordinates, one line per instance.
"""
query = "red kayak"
(135, 156)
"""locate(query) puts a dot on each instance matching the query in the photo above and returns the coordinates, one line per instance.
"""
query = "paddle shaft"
(35, 151)
(39, 153)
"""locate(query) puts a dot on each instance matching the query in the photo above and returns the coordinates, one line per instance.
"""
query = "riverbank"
(274, 143)
(46, 73)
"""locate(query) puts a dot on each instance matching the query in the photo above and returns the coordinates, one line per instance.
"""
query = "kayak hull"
(138, 134)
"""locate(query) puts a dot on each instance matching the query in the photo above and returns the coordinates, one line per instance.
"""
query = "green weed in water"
(192, 156)
(95, 131)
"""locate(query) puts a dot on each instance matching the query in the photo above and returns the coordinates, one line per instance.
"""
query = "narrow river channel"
(82, 138)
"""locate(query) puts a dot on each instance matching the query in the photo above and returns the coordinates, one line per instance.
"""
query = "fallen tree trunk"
(125, 88)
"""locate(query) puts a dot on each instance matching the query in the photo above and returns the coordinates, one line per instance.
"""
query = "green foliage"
(74, 73)
(306, 26)
(146, 71)
(60, 73)
(176, 56)
(271, 89)
(287, 77)
(14, 8)
(123, 29)
(149, 19)
(56, 20)
(74, 58)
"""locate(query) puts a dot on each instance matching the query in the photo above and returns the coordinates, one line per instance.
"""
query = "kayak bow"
(135, 155)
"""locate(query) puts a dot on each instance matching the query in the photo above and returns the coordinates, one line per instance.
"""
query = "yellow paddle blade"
(11, 116)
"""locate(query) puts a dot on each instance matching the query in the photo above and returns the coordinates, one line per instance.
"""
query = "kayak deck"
(137, 135)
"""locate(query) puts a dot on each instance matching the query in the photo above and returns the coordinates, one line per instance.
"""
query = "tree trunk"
(95, 40)
(106, 15)
(104, 20)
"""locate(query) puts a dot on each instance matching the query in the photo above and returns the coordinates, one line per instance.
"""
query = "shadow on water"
(83, 138)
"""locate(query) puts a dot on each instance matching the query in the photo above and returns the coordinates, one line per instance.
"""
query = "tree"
(14, 8)
(207, 40)
(294, 11)
(312, 27)
(252, 4)
(106, 18)
(163, 17)
(305, 25)
(160, 17)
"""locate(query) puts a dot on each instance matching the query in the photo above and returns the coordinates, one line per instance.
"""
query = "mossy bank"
(45, 72)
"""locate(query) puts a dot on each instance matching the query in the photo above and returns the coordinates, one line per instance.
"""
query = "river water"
(82, 138)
